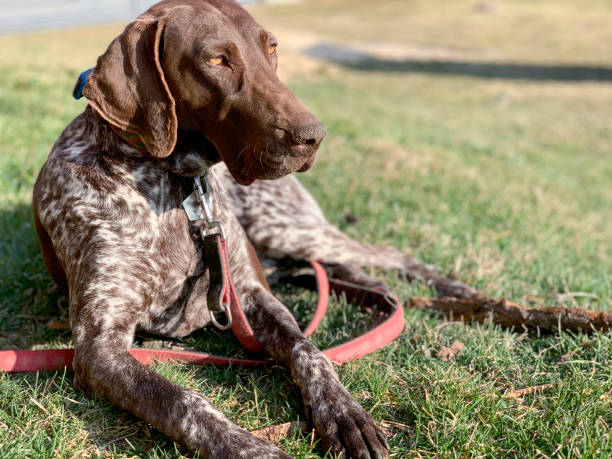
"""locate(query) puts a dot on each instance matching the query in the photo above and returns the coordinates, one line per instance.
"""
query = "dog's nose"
(310, 134)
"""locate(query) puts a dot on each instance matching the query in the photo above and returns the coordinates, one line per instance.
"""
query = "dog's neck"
(193, 154)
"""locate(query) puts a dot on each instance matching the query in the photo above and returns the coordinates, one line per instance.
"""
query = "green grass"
(504, 183)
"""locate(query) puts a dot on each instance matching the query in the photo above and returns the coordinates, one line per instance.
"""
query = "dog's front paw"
(345, 427)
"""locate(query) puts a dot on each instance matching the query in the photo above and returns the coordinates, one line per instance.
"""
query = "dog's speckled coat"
(114, 235)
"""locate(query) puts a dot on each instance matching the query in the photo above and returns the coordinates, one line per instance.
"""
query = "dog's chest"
(120, 220)
(180, 305)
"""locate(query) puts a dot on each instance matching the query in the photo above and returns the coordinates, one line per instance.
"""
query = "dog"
(190, 89)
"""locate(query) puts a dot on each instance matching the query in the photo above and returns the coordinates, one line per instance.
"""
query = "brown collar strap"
(133, 140)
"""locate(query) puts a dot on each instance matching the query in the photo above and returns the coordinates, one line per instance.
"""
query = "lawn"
(479, 161)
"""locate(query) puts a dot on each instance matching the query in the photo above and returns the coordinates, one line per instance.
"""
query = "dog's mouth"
(262, 164)
(308, 163)
(242, 179)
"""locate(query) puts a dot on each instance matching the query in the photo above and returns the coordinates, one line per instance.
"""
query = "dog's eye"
(272, 50)
(219, 60)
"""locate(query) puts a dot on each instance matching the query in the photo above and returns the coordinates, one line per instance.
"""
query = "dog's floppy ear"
(128, 88)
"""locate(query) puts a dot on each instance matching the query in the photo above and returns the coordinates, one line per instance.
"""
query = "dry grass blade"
(519, 393)
(42, 408)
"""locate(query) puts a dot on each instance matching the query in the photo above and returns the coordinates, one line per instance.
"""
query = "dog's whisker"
(242, 150)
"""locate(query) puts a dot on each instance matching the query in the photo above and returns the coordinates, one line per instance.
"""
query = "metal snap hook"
(228, 315)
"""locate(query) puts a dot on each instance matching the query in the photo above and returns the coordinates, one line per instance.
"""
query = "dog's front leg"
(340, 421)
(103, 321)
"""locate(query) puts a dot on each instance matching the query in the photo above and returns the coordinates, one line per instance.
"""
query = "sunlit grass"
(502, 183)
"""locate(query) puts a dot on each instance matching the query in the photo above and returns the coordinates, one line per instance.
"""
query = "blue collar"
(77, 93)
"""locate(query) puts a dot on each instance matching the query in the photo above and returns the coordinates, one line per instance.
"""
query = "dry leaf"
(566, 357)
(281, 431)
(449, 353)
(58, 325)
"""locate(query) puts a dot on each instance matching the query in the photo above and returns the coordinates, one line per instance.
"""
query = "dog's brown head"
(205, 66)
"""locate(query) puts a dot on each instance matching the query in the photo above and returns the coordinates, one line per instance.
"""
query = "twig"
(509, 314)
(519, 393)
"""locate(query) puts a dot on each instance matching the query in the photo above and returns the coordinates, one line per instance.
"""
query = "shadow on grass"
(28, 296)
(353, 59)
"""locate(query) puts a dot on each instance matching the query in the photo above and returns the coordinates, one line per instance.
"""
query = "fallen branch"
(509, 314)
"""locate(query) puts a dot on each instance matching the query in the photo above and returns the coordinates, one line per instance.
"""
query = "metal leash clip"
(198, 207)
(205, 197)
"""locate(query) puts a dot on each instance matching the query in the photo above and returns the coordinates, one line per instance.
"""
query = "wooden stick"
(509, 314)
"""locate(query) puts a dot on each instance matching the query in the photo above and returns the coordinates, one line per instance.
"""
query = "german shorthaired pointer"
(193, 84)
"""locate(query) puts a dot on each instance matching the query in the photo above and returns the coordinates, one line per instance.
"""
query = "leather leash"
(376, 338)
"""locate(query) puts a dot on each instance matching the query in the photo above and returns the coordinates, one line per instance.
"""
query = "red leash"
(381, 335)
